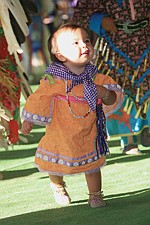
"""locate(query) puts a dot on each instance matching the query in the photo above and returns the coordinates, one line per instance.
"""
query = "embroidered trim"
(37, 119)
(66, 157)
(72, 162)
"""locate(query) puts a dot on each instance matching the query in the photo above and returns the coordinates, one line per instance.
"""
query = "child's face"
(74, 47)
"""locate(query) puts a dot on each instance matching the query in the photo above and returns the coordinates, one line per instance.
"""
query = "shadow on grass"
(120, 195)
(120, 158)
(113, 143)
(121, 210)
(18, 173)
(17, 154)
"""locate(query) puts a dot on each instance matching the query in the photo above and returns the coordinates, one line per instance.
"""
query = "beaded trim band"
(106, 95)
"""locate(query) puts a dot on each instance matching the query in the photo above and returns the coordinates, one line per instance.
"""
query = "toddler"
(71, 101)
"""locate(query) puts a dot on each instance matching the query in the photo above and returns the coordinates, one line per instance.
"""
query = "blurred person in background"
(122, 31)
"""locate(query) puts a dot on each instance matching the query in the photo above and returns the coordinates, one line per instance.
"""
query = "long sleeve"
(39, 106)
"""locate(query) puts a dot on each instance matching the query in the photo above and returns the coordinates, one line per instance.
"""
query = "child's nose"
(83, 44)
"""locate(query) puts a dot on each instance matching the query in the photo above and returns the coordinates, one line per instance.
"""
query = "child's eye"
(75, 43)
(87, 41)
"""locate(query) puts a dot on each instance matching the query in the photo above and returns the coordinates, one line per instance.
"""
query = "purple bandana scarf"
(90, 92)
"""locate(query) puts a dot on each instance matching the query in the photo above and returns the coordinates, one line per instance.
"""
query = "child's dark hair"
(52, 45)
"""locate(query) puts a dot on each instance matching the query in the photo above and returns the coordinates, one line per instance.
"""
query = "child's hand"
(26, 127)
(108, 96)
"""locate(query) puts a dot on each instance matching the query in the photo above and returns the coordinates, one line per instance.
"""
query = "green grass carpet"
(26, 197)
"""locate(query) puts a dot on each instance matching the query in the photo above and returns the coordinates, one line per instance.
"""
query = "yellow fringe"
(145, 107)
(97, 43)
(138, 112)
(137, 95)
(135, 74)
(100, 64)
(129, 108)
(126, 105)
(108, 71)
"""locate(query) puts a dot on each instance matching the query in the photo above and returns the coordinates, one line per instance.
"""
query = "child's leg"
(57, 180)
(94, 186)
(58, 187)
(94, 182)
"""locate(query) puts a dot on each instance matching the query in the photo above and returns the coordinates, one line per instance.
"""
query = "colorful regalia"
(14, 21)
(125, 56)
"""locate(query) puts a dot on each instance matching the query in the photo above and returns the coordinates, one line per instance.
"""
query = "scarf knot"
(85, 78)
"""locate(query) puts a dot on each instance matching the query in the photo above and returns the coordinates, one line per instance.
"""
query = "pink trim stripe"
(71, 98)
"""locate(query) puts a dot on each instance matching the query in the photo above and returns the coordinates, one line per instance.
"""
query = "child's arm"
(26, 127)
(108, 96)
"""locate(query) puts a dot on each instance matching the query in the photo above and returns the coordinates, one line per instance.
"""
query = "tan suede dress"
(68, 146)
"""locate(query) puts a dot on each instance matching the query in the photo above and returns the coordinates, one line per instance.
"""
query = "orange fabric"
(68, 146)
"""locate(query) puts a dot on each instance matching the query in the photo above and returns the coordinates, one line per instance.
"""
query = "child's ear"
(60, 57)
